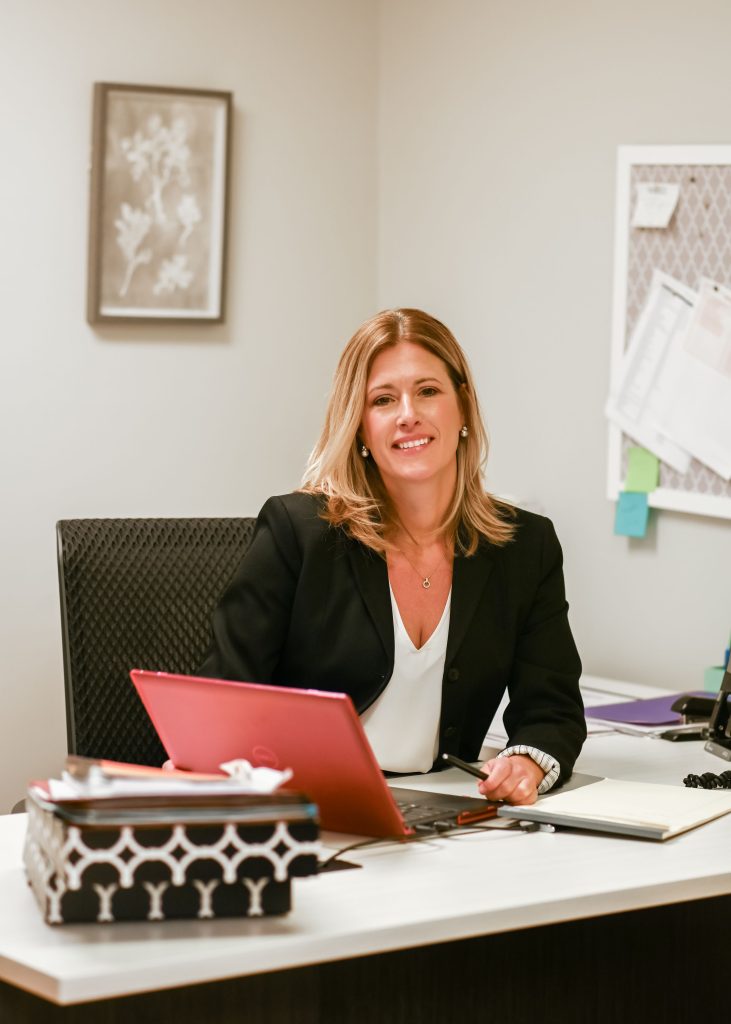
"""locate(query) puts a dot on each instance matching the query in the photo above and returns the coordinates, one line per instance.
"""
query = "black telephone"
(694, 711)
(719, 728)
(718, 739)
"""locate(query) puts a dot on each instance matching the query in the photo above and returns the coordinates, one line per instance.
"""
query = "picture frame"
(158, 204)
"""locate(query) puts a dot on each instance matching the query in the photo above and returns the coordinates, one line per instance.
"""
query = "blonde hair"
(355, 496)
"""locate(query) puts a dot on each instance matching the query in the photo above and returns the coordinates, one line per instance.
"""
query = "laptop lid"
(205, 722)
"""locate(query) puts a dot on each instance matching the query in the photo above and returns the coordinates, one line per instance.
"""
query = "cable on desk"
(361, 844)
(708, 781)
(424, 837)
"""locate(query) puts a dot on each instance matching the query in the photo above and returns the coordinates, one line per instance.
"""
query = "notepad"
(643, 809)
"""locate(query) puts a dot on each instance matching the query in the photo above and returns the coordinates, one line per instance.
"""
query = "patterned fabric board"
(696, 244)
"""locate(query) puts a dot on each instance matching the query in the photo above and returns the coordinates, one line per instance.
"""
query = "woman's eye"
(429, 392)
(382, 400)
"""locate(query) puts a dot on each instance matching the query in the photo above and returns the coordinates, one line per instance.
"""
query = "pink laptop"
(205, 722)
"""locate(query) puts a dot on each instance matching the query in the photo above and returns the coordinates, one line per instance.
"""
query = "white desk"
(405, 896)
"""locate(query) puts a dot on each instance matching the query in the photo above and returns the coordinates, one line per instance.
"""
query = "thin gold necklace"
(425, 580)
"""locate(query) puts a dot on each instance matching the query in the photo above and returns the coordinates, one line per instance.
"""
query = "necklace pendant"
(426, 583)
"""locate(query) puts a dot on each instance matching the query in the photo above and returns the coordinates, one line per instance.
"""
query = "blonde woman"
(392, 576)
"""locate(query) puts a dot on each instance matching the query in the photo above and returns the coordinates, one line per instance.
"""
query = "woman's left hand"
(514, 779)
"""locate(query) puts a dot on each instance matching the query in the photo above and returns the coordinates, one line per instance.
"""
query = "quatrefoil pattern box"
(134, 872)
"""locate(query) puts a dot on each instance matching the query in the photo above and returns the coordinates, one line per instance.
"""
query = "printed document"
(648, 374)
(695, 411)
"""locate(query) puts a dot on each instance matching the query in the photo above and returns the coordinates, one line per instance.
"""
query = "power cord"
(330, 861)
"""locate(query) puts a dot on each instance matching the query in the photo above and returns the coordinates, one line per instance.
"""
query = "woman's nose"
(407, 410)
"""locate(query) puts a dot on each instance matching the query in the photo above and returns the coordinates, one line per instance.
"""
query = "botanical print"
(163, 202)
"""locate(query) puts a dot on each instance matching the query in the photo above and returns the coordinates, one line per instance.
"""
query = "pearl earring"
(464, 431)
(364, 451)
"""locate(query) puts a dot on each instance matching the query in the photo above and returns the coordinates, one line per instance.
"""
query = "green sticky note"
(643, 470)
(713, 677)
(632, 514)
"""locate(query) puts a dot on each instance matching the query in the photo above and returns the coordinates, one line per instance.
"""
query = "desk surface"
(408, 895)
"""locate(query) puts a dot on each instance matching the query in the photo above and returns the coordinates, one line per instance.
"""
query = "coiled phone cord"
(708, 781)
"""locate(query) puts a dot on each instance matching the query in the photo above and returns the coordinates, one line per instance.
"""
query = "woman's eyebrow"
(419, 380)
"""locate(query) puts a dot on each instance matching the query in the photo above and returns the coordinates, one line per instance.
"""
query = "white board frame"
(627, 158)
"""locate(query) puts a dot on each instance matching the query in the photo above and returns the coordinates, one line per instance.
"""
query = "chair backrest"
(136, 593)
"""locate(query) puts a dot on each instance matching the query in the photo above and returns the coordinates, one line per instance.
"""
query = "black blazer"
(310, 607)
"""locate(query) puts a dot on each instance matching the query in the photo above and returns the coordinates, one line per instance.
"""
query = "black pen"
(465, 767)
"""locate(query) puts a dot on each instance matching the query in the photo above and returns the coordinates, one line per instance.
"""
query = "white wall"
(499, 124)
(167, 420)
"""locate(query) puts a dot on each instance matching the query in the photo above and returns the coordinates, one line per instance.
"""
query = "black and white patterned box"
(154, 872)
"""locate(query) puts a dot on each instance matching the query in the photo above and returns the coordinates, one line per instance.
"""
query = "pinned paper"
(643, 470)
(648, 371)
(694, 405)
(632, 514)
(656, 202)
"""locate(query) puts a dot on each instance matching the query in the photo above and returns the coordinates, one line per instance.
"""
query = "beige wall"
(167, 420)
(499, 124)
(455, 155)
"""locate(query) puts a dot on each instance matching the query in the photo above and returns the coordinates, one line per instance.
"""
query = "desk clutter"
(656, 712)
(696, 715)
(128, 844)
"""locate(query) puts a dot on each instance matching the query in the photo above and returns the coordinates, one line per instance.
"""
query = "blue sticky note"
(632, 514)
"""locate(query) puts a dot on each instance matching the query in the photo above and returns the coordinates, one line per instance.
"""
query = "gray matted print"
(157, 234)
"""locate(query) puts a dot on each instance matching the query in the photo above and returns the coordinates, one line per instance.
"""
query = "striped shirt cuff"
(549, 764)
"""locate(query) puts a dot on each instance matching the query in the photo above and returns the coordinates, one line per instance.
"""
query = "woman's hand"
(514, 779)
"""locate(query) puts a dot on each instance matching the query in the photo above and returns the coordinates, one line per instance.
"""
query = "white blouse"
(402, 725)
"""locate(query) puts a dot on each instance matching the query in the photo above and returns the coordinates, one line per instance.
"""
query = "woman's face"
(412, 417)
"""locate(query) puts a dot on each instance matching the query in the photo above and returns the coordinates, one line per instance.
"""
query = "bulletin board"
(697, 243)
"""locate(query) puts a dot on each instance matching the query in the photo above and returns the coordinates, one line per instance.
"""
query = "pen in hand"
(464, 766)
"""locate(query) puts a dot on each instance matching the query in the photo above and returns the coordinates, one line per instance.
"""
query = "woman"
(393, 576)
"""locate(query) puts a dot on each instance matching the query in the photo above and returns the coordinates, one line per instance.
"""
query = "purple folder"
(650, 711)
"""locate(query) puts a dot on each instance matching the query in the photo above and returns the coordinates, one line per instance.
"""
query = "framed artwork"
(159, 203)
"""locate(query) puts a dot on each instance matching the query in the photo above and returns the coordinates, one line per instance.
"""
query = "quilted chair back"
(136, 593)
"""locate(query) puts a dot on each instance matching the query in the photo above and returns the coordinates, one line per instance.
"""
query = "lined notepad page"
(671, 809)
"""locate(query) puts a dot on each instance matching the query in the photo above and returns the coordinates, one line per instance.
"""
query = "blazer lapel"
(469, 577)
(371, 575)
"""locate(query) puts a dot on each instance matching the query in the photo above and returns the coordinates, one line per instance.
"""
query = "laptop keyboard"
(437, 812)
(418, 812)
(425, 818)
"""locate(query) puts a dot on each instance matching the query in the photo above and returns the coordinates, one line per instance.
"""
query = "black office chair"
(136, 593)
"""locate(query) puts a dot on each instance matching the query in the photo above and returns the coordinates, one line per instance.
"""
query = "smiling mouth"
(419, 443)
